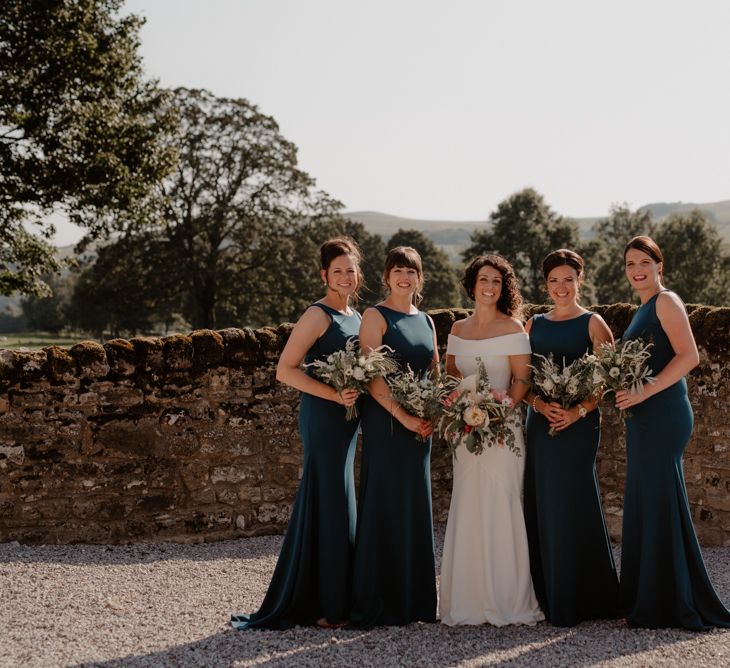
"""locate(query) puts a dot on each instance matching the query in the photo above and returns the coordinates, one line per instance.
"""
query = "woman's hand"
(552, 411)
(628, 398)
(347, 397)
(564, 418)
(418, 425)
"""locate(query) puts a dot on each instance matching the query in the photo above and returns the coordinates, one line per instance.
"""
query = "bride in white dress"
(485, 569)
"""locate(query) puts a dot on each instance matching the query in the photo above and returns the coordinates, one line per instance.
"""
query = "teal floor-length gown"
(664, 582)
(394, 578)
(570, 553)
(312, 575)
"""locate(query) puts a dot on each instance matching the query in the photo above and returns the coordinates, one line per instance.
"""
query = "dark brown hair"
(563, 257)
(333, 248)
(646, 245)
(404, 256)
(510, 300)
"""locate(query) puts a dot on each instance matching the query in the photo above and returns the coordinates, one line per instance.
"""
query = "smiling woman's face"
(488, 286)
(562, 285)
(642, 270)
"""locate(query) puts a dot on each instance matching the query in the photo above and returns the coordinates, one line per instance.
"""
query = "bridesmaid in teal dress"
(394, 579)
(311, 582)
(570, 553)
(664, 582)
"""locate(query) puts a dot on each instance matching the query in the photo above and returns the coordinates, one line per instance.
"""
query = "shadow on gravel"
(418, 644)
(139, 553)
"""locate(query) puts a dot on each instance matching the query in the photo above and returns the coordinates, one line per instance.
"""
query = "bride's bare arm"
(520, 366)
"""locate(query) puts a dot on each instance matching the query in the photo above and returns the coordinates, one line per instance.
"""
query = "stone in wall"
(191, 438)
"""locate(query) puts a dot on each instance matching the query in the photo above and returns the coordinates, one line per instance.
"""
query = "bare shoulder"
(670, 309)
(599, 331)
(458, 327)
(373, 317)
(668, 301)
(513, 326)
(597, 323)
(528, 325)
(314, 317)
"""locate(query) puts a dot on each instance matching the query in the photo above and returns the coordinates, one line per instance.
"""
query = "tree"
(524, 230)
(440, 288)
(605, 260)
(234, 209)
(238, 240)
(81, 131)
(49, 314)
(130, 287)
(695, 264)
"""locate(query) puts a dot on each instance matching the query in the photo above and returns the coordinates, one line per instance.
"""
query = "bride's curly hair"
(510, 301)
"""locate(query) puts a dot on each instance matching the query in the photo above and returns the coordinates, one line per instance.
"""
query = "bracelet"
(534, 404)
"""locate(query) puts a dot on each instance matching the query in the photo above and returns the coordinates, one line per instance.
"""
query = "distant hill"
(451, 236)
(454, 236)
(718, 213)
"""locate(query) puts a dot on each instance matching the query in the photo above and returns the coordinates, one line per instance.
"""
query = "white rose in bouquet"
(475, 416)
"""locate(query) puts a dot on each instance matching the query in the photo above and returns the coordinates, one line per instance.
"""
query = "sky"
(441, 110)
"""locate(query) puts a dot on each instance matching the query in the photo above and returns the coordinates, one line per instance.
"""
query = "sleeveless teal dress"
(312, 575)
(664, 582)
(394, 580)
(570, 553)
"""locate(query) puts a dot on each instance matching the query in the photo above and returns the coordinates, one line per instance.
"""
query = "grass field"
(38, 340)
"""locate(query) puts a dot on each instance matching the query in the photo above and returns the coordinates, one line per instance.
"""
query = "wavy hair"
(510, 299)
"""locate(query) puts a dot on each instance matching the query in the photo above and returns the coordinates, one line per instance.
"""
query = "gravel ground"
(168, 605)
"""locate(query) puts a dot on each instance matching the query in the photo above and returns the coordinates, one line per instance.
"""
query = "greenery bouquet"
(622, 366)
(567, 384)
(353, 369)
(420, 395)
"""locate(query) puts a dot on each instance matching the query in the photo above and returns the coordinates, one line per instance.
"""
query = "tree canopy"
(237, 237)
(524, 229)
(604, 260)
(82, 131)
(695, 264)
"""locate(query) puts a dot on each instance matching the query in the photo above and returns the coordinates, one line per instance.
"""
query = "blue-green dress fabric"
(313, 573)
(570, 552)
(394, 580)
(664, 582)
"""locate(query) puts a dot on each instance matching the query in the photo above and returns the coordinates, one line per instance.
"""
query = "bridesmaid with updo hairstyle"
(311, 582)
(570, 552)
(664, 582)
(394, 580)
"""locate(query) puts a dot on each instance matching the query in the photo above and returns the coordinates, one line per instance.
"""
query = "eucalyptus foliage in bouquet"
(566, 385)
(623, 366)
(420, 395)
(353, 369)
(477, 415)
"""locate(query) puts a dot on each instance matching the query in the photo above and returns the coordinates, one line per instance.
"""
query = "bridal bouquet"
(419, 395)
(477, 415)
(565, 385)
(623, 366)
(353, 369)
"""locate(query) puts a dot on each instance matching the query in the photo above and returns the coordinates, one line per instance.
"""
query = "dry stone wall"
(191, 438)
